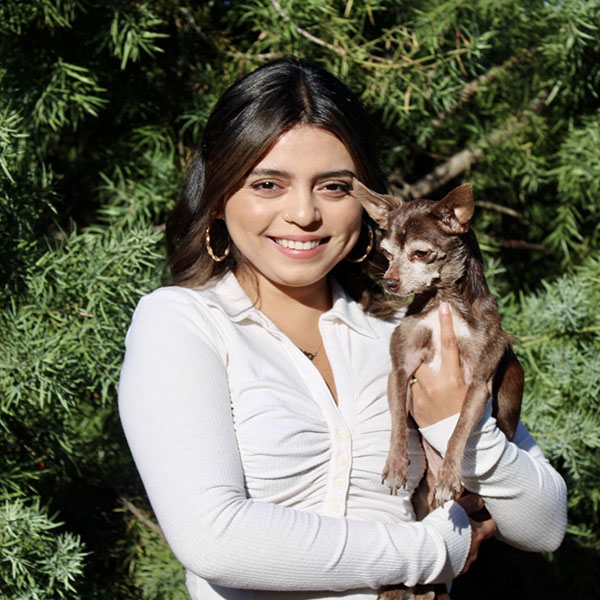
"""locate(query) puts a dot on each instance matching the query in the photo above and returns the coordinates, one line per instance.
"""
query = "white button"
(341, 436)
(334, 506)
(342, 460)
(339, 484)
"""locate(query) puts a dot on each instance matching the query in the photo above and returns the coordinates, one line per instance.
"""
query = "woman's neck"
(270, 297)
(294, 310)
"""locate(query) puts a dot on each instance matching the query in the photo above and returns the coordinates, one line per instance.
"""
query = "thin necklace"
(310, 355)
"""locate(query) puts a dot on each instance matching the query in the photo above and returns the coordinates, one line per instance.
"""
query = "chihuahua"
(434, 256)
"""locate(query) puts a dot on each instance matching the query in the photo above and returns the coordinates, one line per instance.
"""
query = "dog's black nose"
(391, 285)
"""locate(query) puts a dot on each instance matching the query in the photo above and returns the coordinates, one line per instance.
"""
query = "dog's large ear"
(456, 209)
(378, 206)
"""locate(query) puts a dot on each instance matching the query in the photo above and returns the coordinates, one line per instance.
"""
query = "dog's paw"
(430, 595)
(395, 472)
(420, 592)
(393, 594)
(447, 486)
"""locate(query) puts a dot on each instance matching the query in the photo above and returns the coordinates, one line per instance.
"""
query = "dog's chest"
(432, 322)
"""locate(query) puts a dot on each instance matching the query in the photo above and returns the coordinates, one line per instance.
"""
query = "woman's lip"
(299, 238)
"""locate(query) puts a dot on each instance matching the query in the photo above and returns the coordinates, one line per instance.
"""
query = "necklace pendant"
(308, 355)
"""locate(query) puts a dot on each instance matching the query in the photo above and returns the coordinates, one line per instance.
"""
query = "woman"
(253, 392)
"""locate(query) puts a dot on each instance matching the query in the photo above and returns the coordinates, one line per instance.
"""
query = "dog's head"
(423, 237)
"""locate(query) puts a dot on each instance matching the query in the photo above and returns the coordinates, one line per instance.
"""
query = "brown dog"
(434, 256)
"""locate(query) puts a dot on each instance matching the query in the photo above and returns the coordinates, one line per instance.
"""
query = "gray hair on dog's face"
(419, 263)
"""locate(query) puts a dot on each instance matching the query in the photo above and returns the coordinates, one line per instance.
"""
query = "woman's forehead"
(307, 148)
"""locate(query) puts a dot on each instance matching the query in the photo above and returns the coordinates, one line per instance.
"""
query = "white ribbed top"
(261, 482)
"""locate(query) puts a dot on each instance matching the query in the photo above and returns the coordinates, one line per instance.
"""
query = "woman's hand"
(483, 526)
(439, 394)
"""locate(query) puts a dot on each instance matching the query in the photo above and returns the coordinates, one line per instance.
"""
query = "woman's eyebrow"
(279, 173)
(270, 173)
(340, 173)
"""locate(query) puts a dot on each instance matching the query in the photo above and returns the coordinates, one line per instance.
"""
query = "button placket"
(341, 451)
(340, 473)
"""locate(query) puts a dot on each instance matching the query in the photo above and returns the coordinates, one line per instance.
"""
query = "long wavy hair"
(244, 125)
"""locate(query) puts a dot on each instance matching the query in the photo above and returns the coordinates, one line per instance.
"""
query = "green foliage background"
(101, 106)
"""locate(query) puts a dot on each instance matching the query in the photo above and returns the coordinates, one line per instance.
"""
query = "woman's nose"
(301, 208)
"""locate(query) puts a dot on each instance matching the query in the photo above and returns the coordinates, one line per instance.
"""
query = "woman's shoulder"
(212, 295)
(170, 315)
(173, 309)
(166, 304)
(166, 295)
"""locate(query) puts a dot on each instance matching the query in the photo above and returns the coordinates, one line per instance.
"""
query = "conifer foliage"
(101, 107)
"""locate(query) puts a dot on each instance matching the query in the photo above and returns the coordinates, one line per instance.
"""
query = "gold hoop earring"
(210, 250)
(369, 247)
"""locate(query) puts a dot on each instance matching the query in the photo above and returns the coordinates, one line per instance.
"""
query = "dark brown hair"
(244, 125)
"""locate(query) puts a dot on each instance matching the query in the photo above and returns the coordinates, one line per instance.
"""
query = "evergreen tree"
(101, 106)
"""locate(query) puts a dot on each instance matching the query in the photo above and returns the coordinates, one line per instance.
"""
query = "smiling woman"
(254, 389)
(249, 122)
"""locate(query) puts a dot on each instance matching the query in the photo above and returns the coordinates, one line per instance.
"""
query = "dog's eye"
(386, 254)
(422, 253)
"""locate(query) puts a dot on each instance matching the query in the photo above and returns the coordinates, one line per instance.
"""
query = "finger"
(470, 561)
(450, 356)
(424, 374)
(480, 531)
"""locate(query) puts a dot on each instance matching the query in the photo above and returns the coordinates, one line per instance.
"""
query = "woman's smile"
(300, 248)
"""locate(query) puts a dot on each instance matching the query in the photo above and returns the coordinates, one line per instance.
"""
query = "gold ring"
(412, 381)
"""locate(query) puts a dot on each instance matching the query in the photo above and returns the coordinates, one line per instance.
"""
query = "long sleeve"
(525, 495)
(175, 409)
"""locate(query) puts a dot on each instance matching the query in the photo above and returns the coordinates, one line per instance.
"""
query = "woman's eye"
(264, 185)
(336, 188)
(266, 188)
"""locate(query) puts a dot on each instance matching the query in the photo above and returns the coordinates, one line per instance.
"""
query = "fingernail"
(444, 308)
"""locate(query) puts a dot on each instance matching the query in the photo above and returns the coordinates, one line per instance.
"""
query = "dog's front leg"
(395, 472)
(447, 484)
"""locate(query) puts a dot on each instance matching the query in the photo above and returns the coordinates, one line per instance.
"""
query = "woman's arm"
(523, 493)
(175, 409)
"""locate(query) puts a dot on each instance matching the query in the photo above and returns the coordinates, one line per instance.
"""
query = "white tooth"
(296, 245)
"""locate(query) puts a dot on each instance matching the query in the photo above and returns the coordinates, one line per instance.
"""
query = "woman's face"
(293, 218)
